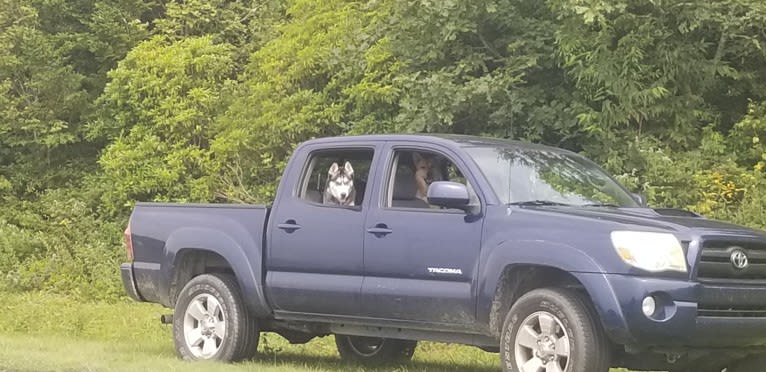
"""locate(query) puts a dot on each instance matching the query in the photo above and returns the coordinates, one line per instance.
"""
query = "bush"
(713, 179)
(57, 244)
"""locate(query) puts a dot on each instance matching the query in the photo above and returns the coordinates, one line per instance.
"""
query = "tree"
(663, 69)
(302, 84)
(157, 113)
(42, 101)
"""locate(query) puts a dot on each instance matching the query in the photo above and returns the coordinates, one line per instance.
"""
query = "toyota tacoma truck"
(529, 251)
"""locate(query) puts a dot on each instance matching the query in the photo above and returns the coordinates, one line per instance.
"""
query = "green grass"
(40, 332)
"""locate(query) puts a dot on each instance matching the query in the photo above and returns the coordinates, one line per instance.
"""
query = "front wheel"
(552, 330)
(211, 322)
(374, 349)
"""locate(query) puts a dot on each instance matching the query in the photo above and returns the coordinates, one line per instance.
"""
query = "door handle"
(380, 230)
(289, 226)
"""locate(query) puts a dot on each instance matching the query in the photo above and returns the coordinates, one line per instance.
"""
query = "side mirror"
(448, 194)
(640, 199)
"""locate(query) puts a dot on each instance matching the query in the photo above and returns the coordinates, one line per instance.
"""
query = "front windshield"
(543, 177)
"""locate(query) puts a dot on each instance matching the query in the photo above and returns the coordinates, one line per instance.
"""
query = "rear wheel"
(374, 349)
(211, 322)
(553, 330)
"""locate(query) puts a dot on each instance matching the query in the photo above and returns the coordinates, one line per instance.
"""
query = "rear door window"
(336, 177)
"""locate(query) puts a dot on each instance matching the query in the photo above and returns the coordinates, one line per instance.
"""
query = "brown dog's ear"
(349, 169)
(416, 157)
(333, 169)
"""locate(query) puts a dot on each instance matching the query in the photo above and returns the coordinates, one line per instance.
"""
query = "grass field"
(40, 332)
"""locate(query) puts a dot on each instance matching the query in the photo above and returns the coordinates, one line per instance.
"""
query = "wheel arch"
(518, 279)
(512, 257)
(194, 251)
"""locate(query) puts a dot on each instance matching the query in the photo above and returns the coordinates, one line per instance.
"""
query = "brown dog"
(426, 172)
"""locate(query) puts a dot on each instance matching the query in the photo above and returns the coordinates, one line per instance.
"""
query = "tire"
(553, 330)
(373, 350)
(751, 363)
(210, 321)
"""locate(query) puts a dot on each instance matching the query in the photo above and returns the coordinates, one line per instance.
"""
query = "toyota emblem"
(739, 259)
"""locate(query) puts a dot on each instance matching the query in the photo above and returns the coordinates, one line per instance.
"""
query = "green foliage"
(663, 69)
(245, 24)
(41, 96)
(53, 61)
(481, 67)
(157, 113)
(716, 179)
(301, 84)
(57, 244)
(54, 56)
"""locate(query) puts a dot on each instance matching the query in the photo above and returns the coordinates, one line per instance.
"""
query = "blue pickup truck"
(529, 251)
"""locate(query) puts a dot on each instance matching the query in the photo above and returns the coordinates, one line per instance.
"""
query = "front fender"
(527, 252)
(241, 252)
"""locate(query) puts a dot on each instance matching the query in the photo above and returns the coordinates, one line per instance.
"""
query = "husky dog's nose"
(343, 195)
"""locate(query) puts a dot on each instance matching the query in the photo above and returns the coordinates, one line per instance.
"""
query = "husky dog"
(426, 172)
(340, 185)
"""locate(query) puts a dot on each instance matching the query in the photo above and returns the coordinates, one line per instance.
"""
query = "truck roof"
(447, 139)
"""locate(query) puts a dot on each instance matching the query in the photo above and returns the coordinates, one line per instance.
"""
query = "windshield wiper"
(609, 205)
(538, 202)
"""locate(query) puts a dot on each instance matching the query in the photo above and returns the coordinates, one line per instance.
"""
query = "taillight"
(128, 243)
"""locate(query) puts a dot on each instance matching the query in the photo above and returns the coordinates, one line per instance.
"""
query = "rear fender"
(240, 251)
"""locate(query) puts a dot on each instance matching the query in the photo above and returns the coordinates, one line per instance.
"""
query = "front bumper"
(129, 282)
(682, 318)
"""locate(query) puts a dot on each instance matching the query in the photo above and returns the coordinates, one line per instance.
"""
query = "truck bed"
(162, 233)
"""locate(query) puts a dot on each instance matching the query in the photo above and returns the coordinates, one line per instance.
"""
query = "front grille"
(716, 262)
(732, 311)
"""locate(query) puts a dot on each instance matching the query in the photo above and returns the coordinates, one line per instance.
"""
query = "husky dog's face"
(341, 182)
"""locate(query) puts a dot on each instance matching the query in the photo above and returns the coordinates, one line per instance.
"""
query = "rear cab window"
(336, 177)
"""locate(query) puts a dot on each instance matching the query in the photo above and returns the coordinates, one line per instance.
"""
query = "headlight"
(650, 251)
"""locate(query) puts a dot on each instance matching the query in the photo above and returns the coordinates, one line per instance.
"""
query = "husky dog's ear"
(349, 169)
(333, 169)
